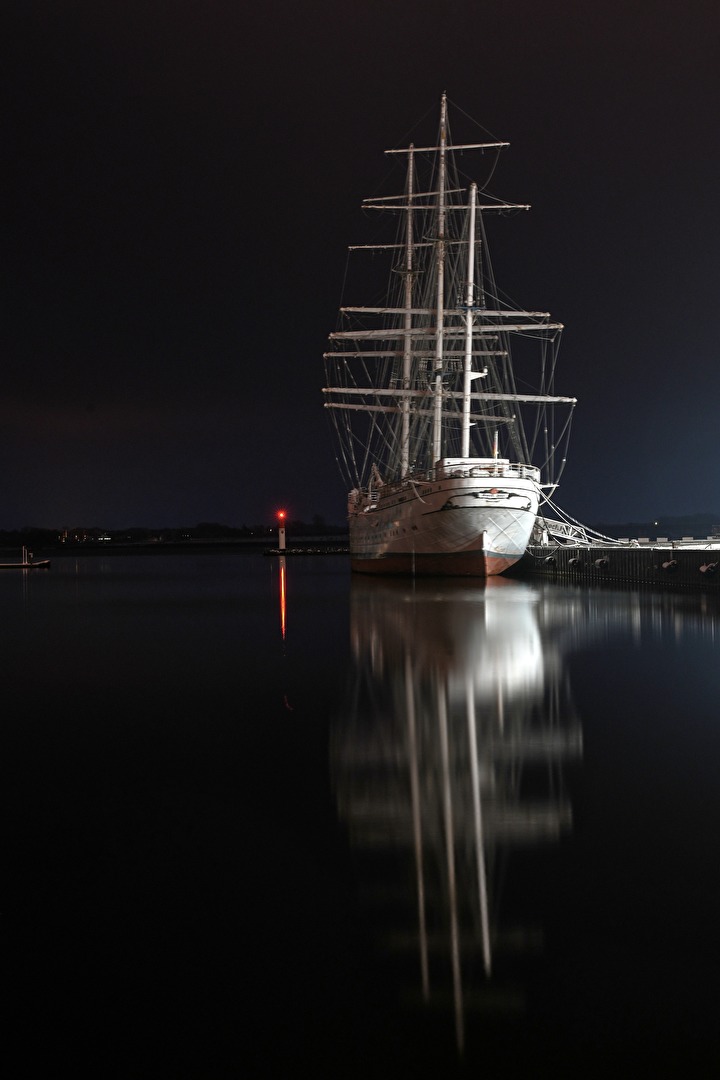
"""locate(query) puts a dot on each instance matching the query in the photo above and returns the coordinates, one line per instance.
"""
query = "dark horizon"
(699, 526)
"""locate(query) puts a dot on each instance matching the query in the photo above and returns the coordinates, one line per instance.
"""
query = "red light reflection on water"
(283, 606)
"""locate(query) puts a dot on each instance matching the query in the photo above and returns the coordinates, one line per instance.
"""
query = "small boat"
(27, 562)
(449, 444)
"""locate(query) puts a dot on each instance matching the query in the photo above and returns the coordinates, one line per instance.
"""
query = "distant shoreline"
(254, 544)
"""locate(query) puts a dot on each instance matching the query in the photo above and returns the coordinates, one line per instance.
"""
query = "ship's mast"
(407, 343)
(440, 298)
(469, 322)
(417, 331)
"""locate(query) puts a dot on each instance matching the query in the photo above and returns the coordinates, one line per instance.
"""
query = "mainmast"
(407, 343)
(440, 296)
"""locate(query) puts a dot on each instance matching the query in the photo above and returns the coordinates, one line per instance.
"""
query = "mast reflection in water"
(451, 755)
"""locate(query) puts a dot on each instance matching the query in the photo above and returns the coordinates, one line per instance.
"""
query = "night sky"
(181, 182)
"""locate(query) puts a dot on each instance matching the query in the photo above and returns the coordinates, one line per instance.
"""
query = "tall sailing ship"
(449, 442)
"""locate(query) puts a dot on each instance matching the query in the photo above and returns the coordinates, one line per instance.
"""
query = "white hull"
(457, 525)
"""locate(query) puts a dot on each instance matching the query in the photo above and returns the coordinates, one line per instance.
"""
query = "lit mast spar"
(469, 320)
(407, 343)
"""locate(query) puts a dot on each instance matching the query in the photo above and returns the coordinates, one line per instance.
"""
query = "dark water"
(433, 830)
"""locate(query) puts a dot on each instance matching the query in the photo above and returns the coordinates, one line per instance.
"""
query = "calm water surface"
(269, 821)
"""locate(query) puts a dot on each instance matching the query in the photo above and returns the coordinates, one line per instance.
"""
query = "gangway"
(571, 533)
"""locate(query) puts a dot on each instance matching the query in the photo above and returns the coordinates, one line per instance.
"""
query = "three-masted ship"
(430, 405)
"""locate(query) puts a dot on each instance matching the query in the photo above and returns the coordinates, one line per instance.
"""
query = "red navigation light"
(281, 515)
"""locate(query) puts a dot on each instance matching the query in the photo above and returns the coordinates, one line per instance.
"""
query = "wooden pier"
(687, 563)
(306, 551)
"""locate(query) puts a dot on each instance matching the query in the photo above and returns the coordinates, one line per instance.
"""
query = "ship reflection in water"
(450, 757)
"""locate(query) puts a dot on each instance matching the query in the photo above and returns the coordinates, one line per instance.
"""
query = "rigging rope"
(569, 520)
